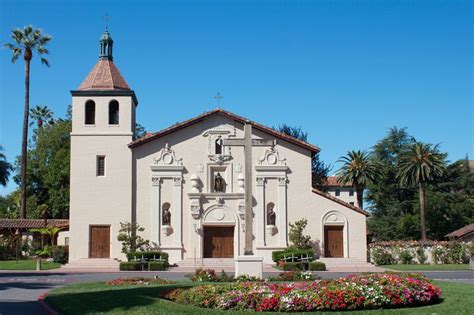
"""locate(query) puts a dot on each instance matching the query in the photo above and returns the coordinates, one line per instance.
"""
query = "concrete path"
(19, 290)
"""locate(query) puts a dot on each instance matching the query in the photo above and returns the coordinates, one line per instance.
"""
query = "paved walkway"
(19, 290)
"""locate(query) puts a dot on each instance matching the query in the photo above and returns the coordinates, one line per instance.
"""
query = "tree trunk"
(24, 144)
(421, 193)
(360, 197)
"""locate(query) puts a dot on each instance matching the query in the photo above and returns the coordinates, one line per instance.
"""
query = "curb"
(45, 306)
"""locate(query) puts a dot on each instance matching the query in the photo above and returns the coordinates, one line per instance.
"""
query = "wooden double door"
(333, 241)
(99, 245)
(218, 242)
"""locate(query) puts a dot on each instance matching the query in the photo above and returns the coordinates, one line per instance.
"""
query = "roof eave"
(106, 92)
(197, 119)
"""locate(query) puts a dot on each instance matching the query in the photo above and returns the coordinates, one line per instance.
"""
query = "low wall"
(418, 252)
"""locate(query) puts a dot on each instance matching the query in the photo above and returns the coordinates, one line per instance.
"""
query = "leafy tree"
(296, 237)
(5, 168)
(41, 114)
(420, 163)
(359, 169)
(26, 41)
(131, 241)
(139, 131)
(48, 169)
(319, 169)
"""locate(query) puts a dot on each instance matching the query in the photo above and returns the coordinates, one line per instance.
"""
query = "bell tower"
(103, 123)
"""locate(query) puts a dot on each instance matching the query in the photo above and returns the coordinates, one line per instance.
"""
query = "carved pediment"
(271, 157)
(167, 157)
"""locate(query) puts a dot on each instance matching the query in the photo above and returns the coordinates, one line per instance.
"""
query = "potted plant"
(44, 252)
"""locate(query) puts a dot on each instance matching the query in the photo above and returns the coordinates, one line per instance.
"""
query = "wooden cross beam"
(247, 142)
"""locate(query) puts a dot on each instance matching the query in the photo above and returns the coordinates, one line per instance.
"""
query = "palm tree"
(40, 114)
(359, 169)
(5, 168)
(25, 42)
(420, 163)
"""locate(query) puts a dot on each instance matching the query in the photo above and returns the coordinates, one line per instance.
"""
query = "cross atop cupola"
(106, 45)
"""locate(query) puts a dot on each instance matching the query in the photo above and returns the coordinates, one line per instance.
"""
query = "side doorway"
(99, 241)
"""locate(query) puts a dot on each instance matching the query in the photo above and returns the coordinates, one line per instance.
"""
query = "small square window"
(351, 192)
(351, 203)
(101, 165)
(338, 191)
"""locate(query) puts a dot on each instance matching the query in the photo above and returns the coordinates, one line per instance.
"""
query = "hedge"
(317, 266)
(157, 266)
(148, 256)
(292, 266)
(127, 266)
(279, 255)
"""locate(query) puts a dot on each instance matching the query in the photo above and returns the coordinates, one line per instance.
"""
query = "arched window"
(219, 146)
(90, 113)
(113, 113)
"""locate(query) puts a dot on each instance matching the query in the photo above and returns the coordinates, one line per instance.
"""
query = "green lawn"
(95, 298)
(427, 267)
(29, 264)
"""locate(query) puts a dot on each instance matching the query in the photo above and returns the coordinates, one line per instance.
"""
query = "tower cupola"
(106, 45)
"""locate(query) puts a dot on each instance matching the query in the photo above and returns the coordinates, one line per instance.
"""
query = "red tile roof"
(104, 76)
(468, 229)
(31, 223)
(339, 201)
(332, 181)
(152, 136)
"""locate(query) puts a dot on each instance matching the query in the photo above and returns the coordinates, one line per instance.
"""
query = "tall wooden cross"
(247, 142)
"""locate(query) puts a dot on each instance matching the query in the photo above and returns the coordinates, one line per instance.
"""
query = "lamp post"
(17, 238)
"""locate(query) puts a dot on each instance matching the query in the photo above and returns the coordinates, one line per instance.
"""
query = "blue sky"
(345, 71)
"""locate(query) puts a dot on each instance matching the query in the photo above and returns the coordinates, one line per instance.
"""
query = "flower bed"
(138, 281)
(367, 291)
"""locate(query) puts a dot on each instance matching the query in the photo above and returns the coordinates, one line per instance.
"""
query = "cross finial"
(106, 20)
(218, 97)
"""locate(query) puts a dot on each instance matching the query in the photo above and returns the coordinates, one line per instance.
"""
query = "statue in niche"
(166, 214)
(271, 215)
(219, 183)
(219, 144)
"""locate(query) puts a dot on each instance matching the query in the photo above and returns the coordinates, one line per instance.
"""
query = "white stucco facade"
(165, 182)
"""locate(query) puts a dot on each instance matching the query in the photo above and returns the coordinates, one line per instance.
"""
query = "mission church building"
(215, 186)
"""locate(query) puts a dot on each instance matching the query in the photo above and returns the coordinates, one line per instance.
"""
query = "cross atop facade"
(106, 20)
(247, 142)
(218, 97)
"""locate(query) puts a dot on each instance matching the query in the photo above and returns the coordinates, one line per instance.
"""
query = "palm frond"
(45, 62)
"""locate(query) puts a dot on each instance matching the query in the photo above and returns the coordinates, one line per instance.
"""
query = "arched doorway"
(334, 235)
(220, 235)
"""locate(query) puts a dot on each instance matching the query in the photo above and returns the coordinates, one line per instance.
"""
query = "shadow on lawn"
(105, 300)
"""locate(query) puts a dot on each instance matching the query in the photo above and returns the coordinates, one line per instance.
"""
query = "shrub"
(245, 278)
(138, 281)
(204, 275)
(148, 256)
(291, 266)
(440, 255)
(367, 291)
(294, 276)
(60, 254)
(279, 255)
(471, 249)
(406, 257)
(317, 266)
(131, 241)
(456, 253)
(130, 266)
(157, 265)
(296, 236)
(381, 256)
(420, 255)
